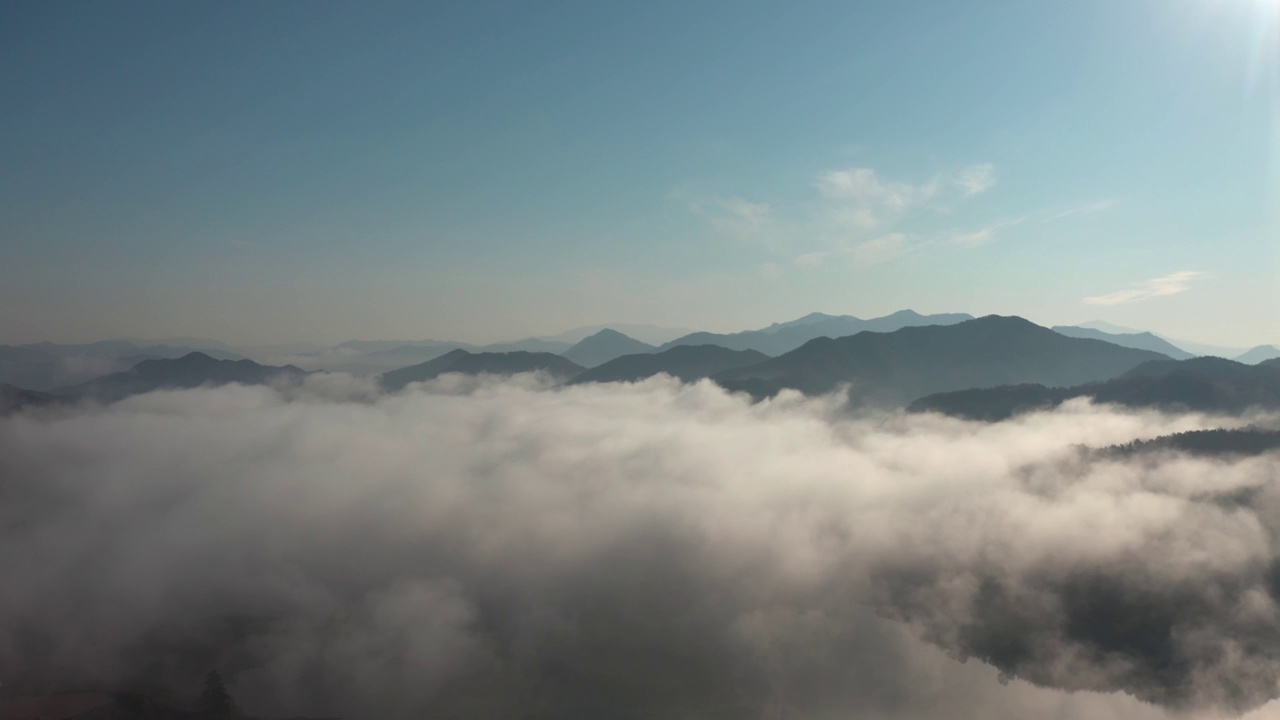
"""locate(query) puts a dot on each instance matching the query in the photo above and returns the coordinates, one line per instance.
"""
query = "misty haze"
(714, 361)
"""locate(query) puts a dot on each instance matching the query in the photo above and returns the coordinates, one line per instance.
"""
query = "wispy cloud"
(864, 254)
(1156, 287)
(864, 200)
(976, 179)
(861, 217)
(736, 216)
(985, 235)
(1096, 206)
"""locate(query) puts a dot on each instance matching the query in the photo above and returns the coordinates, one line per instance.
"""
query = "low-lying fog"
(501, 549)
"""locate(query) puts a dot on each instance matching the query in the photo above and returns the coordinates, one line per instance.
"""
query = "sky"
(483, 171)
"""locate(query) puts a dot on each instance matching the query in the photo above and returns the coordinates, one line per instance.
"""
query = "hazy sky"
(488, 170)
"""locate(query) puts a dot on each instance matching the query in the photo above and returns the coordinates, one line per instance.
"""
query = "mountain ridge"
(485, 363)
(192, 370)
(605, 345)
(1201, 384)
(896, 367)
(683, 362)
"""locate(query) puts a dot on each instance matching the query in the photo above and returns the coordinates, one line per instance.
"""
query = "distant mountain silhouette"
(534, 345)
(1139, 341)
(1258, 354)
(372, 357)
(780, 338)
(604, 346)
(45, 365)
(13, 399)
(896, 367)
(424, 352)
(189, 371)
(1196, 349)
(1204, 349)
(686, 362)
(1203, 384)
(467, 363)
(649, 334)
(383, 345)
(810, 319)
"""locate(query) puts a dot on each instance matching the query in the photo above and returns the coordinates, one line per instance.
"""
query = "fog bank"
(657, 550)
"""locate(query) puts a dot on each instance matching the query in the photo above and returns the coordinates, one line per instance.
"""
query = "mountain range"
(13, 399)
(897, 367)
(685, 362)
(781, 338)
(887, 361)
(1138, 340)
(192, 370)
(44, 366)
(1195, 348)
(1203, 384)
(486, 363)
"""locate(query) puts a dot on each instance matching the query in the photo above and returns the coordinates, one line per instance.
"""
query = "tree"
(215, 700)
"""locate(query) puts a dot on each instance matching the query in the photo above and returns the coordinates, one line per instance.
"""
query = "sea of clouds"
(506, 549)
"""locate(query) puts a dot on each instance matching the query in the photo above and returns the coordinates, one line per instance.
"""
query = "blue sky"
(264, 172)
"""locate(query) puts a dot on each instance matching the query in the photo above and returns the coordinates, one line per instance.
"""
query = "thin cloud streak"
(1172, 284)
(985, 235)
(1086, 209)
(976, 179)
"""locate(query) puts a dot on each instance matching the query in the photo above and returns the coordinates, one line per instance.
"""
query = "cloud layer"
(650, 550)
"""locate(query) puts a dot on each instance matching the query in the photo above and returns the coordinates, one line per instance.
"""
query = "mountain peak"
(1259, 354)
(605, 345)
(606, 333)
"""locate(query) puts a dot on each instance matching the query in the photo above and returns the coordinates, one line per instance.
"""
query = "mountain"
(534, 345)
(1203, 384)
(1202, 349)
(1194, 348)
(895, 367)
(650, 334)
(1239, 442)
(1107, 327)
(1258, 354)
(780, 338)
(1139, 341)
(486, 363)
(604, 346)
(686, 362)
(209, 346)
(189, 371)
(45, 365)
(373, 346)
(810, 319)
(13, 399)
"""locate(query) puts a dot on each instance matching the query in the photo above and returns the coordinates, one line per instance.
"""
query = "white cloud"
(863, 200)
(650, 549)
(739, 217)
(1156, 287)
(860, 255)
(976, 179)
(984, 235)
(857, 219)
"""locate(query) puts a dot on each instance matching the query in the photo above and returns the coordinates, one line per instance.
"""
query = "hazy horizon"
(671, 330)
